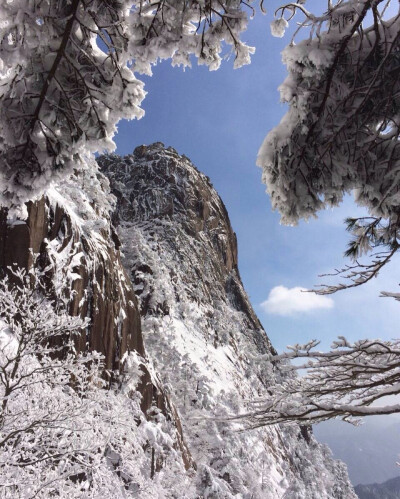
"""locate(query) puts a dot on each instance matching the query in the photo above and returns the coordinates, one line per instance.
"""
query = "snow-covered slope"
(203, 336)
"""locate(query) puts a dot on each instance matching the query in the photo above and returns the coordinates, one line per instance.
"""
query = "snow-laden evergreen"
(341, 131)
(203, 336)
(66, 75)
(65, 430)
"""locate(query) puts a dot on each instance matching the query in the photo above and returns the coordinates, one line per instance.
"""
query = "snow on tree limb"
(341, 131)
(340, 134)
(345, 383)
(66, 78)
(65, 431)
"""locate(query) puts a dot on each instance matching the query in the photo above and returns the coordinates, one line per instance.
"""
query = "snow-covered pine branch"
(348, 382)
(341, 132)
(66, 77)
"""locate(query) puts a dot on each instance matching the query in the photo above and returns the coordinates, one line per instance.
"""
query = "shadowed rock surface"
(87, 270)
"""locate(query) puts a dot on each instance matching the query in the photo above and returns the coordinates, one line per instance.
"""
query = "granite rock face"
(86, 270)
(202, 335)
(177, 300)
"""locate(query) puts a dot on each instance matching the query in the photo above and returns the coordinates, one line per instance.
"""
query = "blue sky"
(219, 120)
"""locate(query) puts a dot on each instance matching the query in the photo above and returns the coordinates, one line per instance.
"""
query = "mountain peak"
(202, 334)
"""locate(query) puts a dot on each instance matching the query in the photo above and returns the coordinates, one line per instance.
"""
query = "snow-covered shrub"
(64, 430)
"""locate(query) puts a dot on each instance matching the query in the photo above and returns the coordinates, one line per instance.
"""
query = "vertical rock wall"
(202, 334)
(83, 267)
(87, 271)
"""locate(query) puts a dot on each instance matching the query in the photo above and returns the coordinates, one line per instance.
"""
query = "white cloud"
(289, 301)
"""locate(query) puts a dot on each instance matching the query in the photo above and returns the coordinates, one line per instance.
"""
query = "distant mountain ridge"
(370, 450)
(387, 490)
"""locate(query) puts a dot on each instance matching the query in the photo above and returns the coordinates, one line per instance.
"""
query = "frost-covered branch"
(369, 233)
(66, 75)
(348, 382)
(341, 134)
(342, 130)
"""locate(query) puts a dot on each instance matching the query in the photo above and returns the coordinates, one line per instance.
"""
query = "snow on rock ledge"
(202, 334)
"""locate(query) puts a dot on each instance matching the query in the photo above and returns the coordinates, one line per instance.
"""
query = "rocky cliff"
(176, 303)
(84, 267)
(68, 234)
(203, 336)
